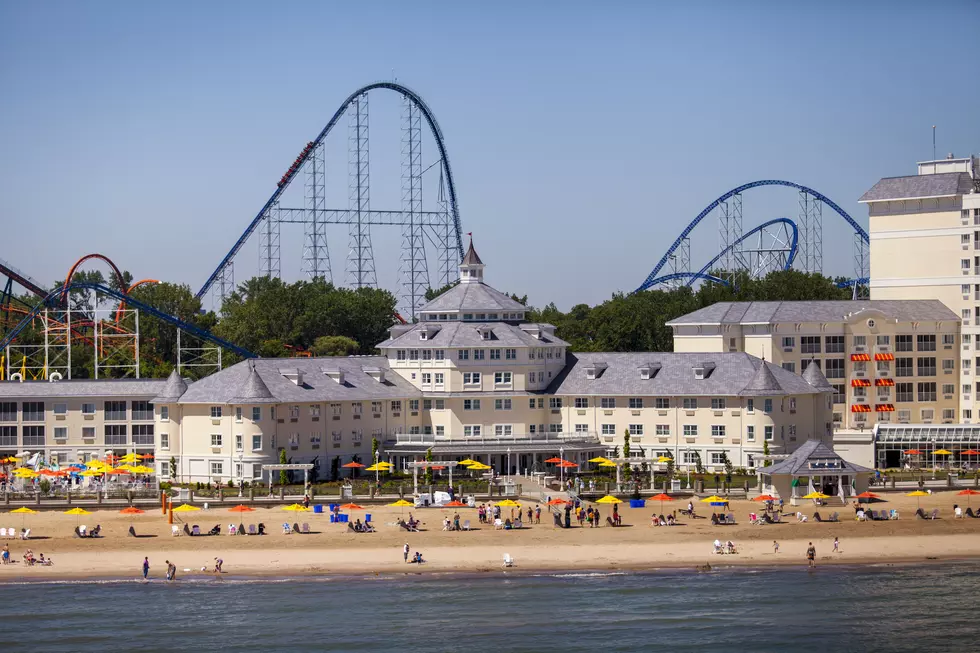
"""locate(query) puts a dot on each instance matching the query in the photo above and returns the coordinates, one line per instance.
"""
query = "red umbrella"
(661, 498)
(558, 502)
(968, 492)
(554, 460)
(567, 464)
(457, 504)
(352, 465)
(131, 510)
(765, 497)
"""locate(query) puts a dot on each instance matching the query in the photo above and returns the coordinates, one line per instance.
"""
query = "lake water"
(886, 608)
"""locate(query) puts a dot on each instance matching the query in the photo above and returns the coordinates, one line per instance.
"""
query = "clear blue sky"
(583, 136)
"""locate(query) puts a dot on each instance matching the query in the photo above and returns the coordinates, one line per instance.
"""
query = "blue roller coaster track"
(53, 300)
(691, 277)
(652, 277)
(440, 144)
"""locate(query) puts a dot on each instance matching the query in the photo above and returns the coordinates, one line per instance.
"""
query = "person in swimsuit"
(811, 555)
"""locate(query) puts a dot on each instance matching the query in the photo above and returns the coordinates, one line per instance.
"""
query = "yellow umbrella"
(609, 499)
(186, 507)
(91, 472)
(127, 467)
(468, 462)
(377, 467)
(24, 472)
(599, 459)
(507, 503)
(664, 459)
(401, 503)
(608, 463)
(478, 466)
(131, 458)
(142, 469)
(917, 494)
(815, 495)
(24, 510)
(942, 452)
(296, 507)
(712, 499)
(77, 511)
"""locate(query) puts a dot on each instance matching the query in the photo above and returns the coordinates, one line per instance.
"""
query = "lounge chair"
(834, 516)
(306, 528)
(195, 530)
(508, 560)
(350, 527)
(893, 514)
(296, 528)
(558, 521)
(776, 519)
(78, 533)
(730, 518)
(95, 531)
(969, 513)
(286, 529)
(261, 529)
(3, 532)
(369, 528)
(920, 514)
(132, 532)
(817, 518)
(187, 530)
(251, 529)
(466, 525)
(175, 530)
(497, 524)
(934, 515)
(404, 524)
(232, 529)
(26, 535)
(216, 530)
(957, 513)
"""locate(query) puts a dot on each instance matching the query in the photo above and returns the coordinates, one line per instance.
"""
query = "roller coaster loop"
(440, 144)
(789, 260)
(691, 276)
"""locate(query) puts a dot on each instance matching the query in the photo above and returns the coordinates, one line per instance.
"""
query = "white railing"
(530, 438)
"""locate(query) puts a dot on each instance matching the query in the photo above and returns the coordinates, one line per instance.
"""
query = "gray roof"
(174, 388)
(763, 384)
(812, 451)
(733, 373)
(473, 297)
(230, 384)
(902, 310)
(944, 184)
(254, 390)
(815, 377)
(83, 388)
(471, 258)
(467, 334)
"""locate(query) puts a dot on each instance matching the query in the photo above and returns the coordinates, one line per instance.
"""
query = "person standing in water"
(811, 555)
(146, 566)
(171, 570)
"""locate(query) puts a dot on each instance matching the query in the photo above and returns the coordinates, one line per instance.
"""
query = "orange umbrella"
(241, 508)
(131, 510)
(351, 506)
(567, 464)
(556, 459)
(912, 452)
(968, 492)
(457, 504)
(765, 497)
(661, 498)
(558, 502)
(438, 467)
(352, 465)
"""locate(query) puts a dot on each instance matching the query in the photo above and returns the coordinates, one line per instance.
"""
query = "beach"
(333, 549)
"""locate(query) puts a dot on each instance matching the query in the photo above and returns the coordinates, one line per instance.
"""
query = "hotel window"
(903, 367)
(471, 378)
(164, 440)
(608, 402)
(294, 413)
(927, 414)
(690, 403)
(581, 402)
(505, 430)
(376, 407)
(215, 439)
(217, 469)
(396, 406)
(143, 435)
(554, 402)
(967, 413)
(903, 343)
(688, 457)
(965, 240)
(60, 409)
(835, 368)
(767, 405)
(883, 341)
(61, 433)
(716, 458)
(89, 409)
(718, 403)
(115, 434)
(904, 415)
(927, 391)
(467, 316)
(903, 392)
(440, 431)
(965, 263)
(413, 404)
(810, 344)
(531, 377)
(581, 428)
(440, 354)
(966, 388)
(555, 428)
(239, 442)
(472, 430)
(838, 393)
(115, 411)
(750, 406)
(426, 378)
(479, 354)
(609, 429)
(440, 404)
(768, 433)
(34, 435)
(882, 366)
(471, 404)
(717, 431)
(835, 344)
(463, 354)
(413, 354)
(925, 342)
(358, 436)
(238, 413)
(502, 404)
(949, 365)
(511, 354)
(860, 392)
(860, 366)
(495, 354)
(315, 440)
(88, 432)
(661, 403)
(400, 355)
(426, 354)
(636, 429)
(440, 378)
(690, 430)
(256, 442)
(663, 429)
(789, 366)
(502, 378)
(750, 433)
(966, 340)
(215, 412)
(530, 403)
(256, 414)
(789, 342)
(949, 339)
(926, 366)
(426, 404)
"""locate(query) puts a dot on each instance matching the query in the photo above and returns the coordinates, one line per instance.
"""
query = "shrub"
(45, 486)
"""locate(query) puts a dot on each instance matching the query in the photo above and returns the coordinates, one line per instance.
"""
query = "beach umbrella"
(381, 467)
(661, 498)
(557, 502)
(77, 512)
(609, 499)
(457, 504)
(131, 510)
(241, 508)
(351, 506)
(917, 494)
(401, 503)
(131, 458)
(91, 473)
(815, 495)
(508, 503)
(942, 452)
(296, 507)
(478, 467)
(599, 459)
(712, 499)
(765, 497)
(868, 495)
(554, 459)
(567, 463)
(664, 459)
(968, 492)
(608, 463)
(186, 507)
(24, 510)
(352, 465)
(142, 469)
(468, 461)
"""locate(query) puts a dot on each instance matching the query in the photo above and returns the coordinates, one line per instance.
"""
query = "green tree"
(283, 475)
(173, 469)
(671, 469)
(334, 346)
(698, 465)
(627, 468)
(428, 470)
(335, 468)
(728, 467)
(432, 293)
(765, 452)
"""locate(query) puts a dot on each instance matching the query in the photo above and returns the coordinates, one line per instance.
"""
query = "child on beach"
(405, 551)
(171, 570)
(775, 546)
(836, 545)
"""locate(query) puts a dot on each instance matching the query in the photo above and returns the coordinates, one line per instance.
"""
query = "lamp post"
(561, 472)
(507, 471)
(241, 472)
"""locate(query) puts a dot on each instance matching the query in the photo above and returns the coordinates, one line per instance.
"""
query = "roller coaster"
(438, 229)
(781, 242)
(113, 332)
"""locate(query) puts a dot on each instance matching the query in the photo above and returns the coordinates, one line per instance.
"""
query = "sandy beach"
(333, 549)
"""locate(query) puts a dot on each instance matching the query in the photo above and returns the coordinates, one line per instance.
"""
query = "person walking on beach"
(537, 514)
(775, 546)
(146, 567)
(811, 555)
(405, 551)
(171, 570)
(836, 545)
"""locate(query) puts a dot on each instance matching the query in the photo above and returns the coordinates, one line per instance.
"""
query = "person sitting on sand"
(418, 558)
(731, 547)
(507, 524)
(717, 545)
(800, 517)
(445, 523)
(358, 526)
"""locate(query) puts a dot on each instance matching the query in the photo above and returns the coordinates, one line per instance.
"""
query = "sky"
(583, 136)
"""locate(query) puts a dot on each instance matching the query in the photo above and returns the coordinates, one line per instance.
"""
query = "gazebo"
(814, 467)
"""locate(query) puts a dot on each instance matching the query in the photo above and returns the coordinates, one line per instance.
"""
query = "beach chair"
(306, 528)
(187, 530)
(3, 532)
(251, 529)
(969, 513)
(817, 517)
(175, 531)
(776, 518)
(933, 515)
(350, 527)
(78, 533)
(730, 518)
(558, 521)
(217, 530)
(893, 514)
(834, 516)
(498, 524)
(610, 521)
(261, 529)
(195, 530)
(132, 532)
(286, 529)
(957, 513)
(466, 525)
(232, 529)
(508, 560)
(296, 528)
(26, 535)
(241, 529)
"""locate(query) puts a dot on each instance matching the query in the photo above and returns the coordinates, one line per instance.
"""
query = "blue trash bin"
(367, 518)
(333, 507)
(318, 509)
(333, 518)
(345, 518)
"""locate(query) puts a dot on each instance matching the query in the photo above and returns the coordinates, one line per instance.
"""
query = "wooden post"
(163, 502)
(170, 514)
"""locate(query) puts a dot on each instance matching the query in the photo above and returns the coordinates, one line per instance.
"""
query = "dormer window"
(375, 373)
(649, 371)
(590, 372)
(595, 370)
(486, 333)
(334, 374)
(423, 335)
(703, 370)
(293, 375)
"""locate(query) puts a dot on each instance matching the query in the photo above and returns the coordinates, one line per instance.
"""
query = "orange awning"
(860, 357)
(884, 357)
(860, 408)
(860, 383)
(885, 382)
(884, 408)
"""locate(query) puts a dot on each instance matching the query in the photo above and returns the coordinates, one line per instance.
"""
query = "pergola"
(424, 464)
(290, 467)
